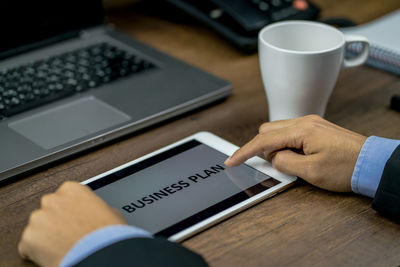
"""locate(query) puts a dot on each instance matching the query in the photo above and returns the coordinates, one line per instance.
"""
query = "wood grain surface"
(302, 226)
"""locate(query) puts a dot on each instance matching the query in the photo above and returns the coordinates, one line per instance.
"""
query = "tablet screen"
(175, 189)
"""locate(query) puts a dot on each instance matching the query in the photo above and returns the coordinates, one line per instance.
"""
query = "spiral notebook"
(384, 37)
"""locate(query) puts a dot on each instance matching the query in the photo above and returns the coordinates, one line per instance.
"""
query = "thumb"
(290, 162)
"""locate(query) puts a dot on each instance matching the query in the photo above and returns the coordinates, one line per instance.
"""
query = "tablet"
(183, 188)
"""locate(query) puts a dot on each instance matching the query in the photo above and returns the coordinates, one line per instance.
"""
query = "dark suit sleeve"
(387, 197)
(143, 252)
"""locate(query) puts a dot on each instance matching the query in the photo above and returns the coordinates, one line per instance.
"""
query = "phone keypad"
(278, 10)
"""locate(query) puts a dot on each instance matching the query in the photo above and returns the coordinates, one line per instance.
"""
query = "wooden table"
(302, 226)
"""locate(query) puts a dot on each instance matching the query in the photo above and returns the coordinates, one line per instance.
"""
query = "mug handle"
(362, 57)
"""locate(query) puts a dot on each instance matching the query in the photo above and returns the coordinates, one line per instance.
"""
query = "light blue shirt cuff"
(99, 239)
(370, 164)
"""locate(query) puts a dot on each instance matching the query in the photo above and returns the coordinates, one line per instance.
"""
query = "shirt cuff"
(99, 239)
(370, 164)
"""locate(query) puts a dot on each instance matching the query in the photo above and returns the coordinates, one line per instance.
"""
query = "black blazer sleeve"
(387, 197)
(143, 252)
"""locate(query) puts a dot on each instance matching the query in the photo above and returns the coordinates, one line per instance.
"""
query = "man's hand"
(64, 217)
(309, 147)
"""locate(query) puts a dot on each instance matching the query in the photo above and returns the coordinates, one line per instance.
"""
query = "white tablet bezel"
(228, 149)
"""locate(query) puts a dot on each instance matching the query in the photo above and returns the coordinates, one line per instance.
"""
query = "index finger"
(249, 150)
(267, 143)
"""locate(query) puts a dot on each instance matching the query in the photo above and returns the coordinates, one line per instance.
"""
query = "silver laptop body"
(54, 130)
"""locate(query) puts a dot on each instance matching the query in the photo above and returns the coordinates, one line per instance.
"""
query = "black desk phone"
(239, 21)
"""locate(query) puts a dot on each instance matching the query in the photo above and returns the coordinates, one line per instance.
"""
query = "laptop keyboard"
(38, 83)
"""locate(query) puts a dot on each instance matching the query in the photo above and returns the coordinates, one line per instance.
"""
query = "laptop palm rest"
(69, 122)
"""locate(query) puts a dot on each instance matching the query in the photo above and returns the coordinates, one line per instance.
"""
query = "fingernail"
(227, 161)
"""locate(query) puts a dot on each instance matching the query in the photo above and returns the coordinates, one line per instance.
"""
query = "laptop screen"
(26, 22)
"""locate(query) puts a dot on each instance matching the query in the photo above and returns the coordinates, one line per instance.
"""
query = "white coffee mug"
(300, 62)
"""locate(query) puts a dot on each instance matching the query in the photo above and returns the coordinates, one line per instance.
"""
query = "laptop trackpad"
(69, 122)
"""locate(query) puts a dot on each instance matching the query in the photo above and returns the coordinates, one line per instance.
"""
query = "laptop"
(69, 82)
